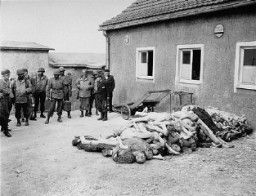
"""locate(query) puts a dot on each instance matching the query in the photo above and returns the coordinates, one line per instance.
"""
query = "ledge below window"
(145, 78)
(190, 81)
(248, 87)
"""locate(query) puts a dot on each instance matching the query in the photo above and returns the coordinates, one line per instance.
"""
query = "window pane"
(186, 57)
(249, 75)
(196, 64)
(250, 57)
(143, 57)
(185, 72)
(150, 63)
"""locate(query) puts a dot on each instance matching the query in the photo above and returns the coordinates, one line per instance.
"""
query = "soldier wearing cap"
(5, 101)
(55, 93)
(102, 96)
(21, 89)
(110, 87)
(84, 86)
(31, 98)
(39, 91)
(67, 86)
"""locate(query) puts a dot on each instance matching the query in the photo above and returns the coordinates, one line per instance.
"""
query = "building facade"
(18, 55)
(208, 48)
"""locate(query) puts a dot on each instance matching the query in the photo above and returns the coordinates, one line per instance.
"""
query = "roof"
(147, 11)
(14, 45)
(83, 60)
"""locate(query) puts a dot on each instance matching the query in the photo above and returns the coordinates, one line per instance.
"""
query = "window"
(145, 63)
(245, 68)
(189, 63)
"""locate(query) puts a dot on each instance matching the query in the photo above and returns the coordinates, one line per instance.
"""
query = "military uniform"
(39, 92)
(55, 91)
(21, 89)
(84, 86)
(67, 82)
(5, 103)
(102, 98)
(110, 87)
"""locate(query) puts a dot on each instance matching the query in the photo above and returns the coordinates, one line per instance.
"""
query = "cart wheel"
(126, 112)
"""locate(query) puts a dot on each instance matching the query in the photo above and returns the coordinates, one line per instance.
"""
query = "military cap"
(5, 72)
(24, 70)
(41, 69)
(56, 72)
(20, 72)
(61, 69)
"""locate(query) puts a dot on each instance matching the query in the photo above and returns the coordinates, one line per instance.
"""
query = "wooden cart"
(149, 100)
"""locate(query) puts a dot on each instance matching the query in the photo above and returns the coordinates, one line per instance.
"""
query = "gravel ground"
(40, 160)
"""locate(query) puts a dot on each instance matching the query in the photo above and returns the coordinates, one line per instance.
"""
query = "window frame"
(238, 65)
(144, 49)
(185, 47)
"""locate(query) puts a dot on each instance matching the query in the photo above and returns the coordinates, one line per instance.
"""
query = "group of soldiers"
(26, 93)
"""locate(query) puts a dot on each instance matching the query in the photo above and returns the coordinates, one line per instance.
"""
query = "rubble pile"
(155, 135)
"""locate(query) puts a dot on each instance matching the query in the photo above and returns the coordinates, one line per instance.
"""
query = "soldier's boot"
(6, 133)
(33, 116)
(69, 116)
(41, 115)
(47, 120)
(101, 116)
(59, 118)
(90, 112)
(26, 122)
(105, 117)
(86, 113)
(82, 114)
(18, 122)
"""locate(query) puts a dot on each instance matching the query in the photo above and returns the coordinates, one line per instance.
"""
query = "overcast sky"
(66, 25)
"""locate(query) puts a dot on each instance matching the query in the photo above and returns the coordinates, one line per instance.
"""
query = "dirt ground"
(40, 160)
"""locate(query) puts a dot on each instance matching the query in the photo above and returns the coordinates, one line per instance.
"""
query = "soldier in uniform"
(5, 102)
(102, 96)
(84, 86)
(67, 87)
(39, 92)
(55, 93)
(111, 86)
(92, 98)
(21, 88)
(30, 97)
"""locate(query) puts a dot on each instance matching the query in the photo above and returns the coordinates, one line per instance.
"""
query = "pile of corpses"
(155, 135)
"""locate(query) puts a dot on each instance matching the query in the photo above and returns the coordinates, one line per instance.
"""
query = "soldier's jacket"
(84, 86)
(5, 88)
(67, 84)
(55, 88)
(102, 89)
(39, 84)
(21, 90)
(111, 83)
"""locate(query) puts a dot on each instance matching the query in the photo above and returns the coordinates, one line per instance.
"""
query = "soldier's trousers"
(53, 105)
(110, 101)
(39, 98)
(25, 109)
(4, 112)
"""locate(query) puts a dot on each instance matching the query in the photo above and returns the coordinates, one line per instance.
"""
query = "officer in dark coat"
(5, 101)
(102, 94)
(55, 93)
(67, 86)
(110, 87)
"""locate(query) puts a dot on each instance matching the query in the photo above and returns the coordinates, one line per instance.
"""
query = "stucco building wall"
(217, 88)
(17, 59)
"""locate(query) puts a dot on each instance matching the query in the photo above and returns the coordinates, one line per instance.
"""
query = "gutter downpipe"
(107, 49)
